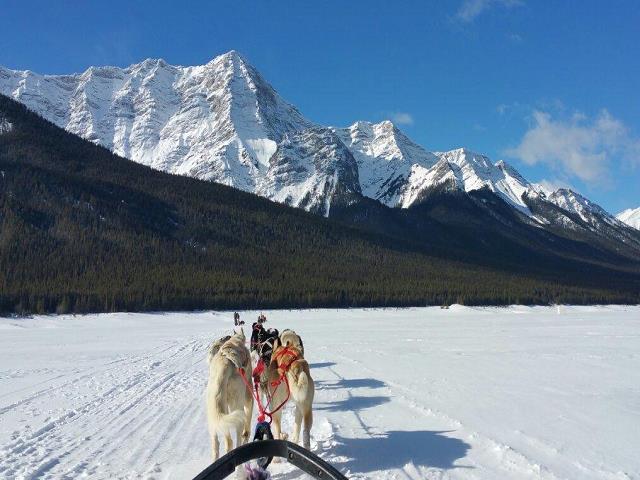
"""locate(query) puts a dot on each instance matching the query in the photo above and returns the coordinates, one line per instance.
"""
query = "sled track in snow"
(125, 398)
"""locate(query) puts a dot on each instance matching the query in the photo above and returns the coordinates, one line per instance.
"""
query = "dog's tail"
(220, 418)
(304, 389)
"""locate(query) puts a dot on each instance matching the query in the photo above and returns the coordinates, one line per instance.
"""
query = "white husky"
(229, 402)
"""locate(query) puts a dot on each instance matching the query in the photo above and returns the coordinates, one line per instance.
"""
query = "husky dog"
(229, 402)
(289, 337)
(287, 361)
(262, 341)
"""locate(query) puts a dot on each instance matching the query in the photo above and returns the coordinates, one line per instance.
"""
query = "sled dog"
(288, 366)
(229, 402)
(289, 337)
(262, 342)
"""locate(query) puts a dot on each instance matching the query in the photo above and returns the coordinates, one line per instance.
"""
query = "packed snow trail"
(412, 393)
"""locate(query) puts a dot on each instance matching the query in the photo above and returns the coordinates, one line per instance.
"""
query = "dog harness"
(285, 368)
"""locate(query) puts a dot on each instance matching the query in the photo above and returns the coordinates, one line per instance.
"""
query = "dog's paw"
(284, 436)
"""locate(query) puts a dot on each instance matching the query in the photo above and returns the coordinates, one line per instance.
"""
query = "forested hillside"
(84, 230)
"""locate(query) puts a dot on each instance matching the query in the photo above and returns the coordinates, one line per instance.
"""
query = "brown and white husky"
(287, 360)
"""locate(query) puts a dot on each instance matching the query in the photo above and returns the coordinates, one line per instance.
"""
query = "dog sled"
(259, 450)
(264, 447)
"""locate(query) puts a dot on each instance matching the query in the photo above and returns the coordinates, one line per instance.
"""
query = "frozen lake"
(464, 393)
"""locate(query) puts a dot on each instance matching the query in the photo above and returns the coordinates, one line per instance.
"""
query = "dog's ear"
(240, 332)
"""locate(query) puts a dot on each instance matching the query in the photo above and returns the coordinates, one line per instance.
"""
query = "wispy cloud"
(402, 118)
(578, 146)
(502, 108)
(471, 9)
(514, 109)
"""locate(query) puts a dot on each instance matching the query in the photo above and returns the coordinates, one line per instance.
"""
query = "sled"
(295, 454)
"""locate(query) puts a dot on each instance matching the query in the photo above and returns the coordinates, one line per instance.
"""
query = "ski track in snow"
(465, 393)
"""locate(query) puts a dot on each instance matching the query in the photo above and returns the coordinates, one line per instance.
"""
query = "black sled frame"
(295, 454)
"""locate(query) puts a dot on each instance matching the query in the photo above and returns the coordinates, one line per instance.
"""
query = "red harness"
(285, 368)
(255, 392)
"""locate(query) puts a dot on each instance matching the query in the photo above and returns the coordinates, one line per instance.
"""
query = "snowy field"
(464, 393)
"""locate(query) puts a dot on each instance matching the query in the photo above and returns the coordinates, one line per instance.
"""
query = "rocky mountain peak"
(223, 122)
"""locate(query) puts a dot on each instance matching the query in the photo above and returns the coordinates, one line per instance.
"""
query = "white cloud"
(578, 146)
(471, 9)
(514, 108)
(402, 118)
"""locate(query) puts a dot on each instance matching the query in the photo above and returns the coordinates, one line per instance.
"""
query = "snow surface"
(631, 217)
(464, 393)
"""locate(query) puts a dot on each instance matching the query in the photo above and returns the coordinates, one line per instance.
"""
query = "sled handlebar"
(295, 454)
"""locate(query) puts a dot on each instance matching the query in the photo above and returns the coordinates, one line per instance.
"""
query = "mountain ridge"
(223, 122)
(250, 117)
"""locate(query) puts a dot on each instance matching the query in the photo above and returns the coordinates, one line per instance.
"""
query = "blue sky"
(552, 87)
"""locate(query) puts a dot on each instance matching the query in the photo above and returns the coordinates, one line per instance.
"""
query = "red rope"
(255, 392)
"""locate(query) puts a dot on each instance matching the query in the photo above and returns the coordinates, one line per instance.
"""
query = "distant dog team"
(286, 377)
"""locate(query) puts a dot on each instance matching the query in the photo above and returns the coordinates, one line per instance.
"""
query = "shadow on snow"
(352, 404)
(322, 364)
(396, 449)
(350, 383)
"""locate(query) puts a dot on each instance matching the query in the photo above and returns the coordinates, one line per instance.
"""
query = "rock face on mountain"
(224, 123)
(313, 170)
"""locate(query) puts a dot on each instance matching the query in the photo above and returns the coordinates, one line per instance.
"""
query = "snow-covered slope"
(590, 212)
(385, 159)
(398, 172)
(468, 171)
(223, 122)
(423, 393)
(631, 217)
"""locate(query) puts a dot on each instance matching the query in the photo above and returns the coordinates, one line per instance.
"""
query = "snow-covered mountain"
(630, 216)
(220, 121)
(584, 208)
(223, 122)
